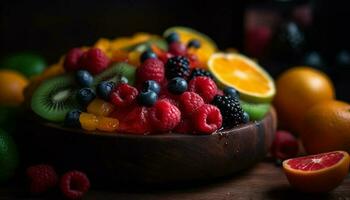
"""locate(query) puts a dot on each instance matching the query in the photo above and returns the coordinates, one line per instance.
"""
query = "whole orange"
(326, 127)
(298, 89)
(12, 85)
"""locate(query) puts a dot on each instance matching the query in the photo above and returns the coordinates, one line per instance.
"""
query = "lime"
(28, 64)
(8, 156)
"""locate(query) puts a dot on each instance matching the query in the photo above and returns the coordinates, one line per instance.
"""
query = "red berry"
(207, 119)
(42, 178)
(220, 92)
(151, 69)
(194, 61)
(164, 116)
(74, 184)
(284, 146)
(190, 102)
(164, 57)
(135, 121)
(204, 86)
(71, 61)
(177, 49)
(185, 126)
(94, 60)
(123, 95)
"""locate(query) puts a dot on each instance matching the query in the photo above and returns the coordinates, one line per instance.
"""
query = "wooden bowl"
(152, 159)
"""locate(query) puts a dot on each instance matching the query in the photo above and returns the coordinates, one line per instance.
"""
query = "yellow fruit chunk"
(100, 107)
(12, 85)
(107, 124)
(243, 74)
(88, 121)
(317, 173)
(134, 58)
(298, 89)
(326, 127)
(123, 42)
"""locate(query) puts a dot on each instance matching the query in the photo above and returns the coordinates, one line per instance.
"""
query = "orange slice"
(317, 173)
(240, 72)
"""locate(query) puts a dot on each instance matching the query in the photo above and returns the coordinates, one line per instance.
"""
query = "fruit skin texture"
(164, 116)
(207, 119)
(85, 96)
(135, 121)
(318, 181)
(177, 85)
(84, 78)
(151, 69)
(231, 110)
(147, 98)
(71, 61)
(284, 145)
(190, 102)
(94, 60)
(74, 184)
(8, 156)
(72, 119)
(12, 85)
(177, 66)
(298, 89)
(88, 121)
(100, 107)
(104, 89)
(123, 95)
(177, 49)
(42, 178)
(326, 127)
(203, 86)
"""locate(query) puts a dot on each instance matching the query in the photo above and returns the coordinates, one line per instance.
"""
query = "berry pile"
(152, 90)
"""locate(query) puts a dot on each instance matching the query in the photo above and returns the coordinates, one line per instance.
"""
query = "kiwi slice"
(116, 72)
(54, 98)
(141, 47)
(256, 111)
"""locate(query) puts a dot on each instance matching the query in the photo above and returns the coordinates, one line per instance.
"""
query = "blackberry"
(231, 110)
(200, 72)
(178, 66)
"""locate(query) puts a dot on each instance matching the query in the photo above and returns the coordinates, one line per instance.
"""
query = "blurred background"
(278, 33)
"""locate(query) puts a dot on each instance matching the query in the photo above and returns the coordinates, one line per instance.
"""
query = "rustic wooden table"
(264, 181)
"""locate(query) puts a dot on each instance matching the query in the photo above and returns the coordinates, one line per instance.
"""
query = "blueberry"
(85, 96)
(177, 85)
(229, 91)
(104, 89)
(194, 43)
(84, 78)
(246, 117)
(172, 37)
(147, 98)
(72, 118)
(151, 85)
(146, 55)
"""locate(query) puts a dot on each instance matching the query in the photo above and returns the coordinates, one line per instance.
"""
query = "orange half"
(317, 173)
(243, 74)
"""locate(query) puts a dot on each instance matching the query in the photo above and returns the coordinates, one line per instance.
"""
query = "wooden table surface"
(263, 181)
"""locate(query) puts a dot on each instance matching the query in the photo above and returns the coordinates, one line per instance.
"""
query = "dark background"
(50, 28)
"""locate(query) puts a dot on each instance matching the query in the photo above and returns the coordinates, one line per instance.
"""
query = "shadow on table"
(286, 193)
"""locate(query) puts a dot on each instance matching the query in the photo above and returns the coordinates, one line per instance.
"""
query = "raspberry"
(177, 49)
(190, 102)
(42, 178)
(184, 126)
(71, 61)
(123, 95)
(151, 69)
(207, 119)
(164, 116)
(74, 184)
(135, 121)
(231, 110)
(284, 146)
(177, 66)
(94, 60)
(203, 86)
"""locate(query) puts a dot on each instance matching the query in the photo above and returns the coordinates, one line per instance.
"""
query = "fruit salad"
(148, 84)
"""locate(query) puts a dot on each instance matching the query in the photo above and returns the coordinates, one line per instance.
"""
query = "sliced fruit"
(28, 64)
(240, 72)
(12, 85)
(143, 46)
(208, 46)
(54, 98)
(107, 124)
(88, 121)
(317, 173)
(127, 42)
(256, 111)
(8, 156)
(116, 72)
(100, 107)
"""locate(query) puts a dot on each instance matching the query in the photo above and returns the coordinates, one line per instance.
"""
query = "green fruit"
(8, 156)
(141, 47)
(116, 72)
(8, 117)
(256, 111)
(54, 98)
(27, 63)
